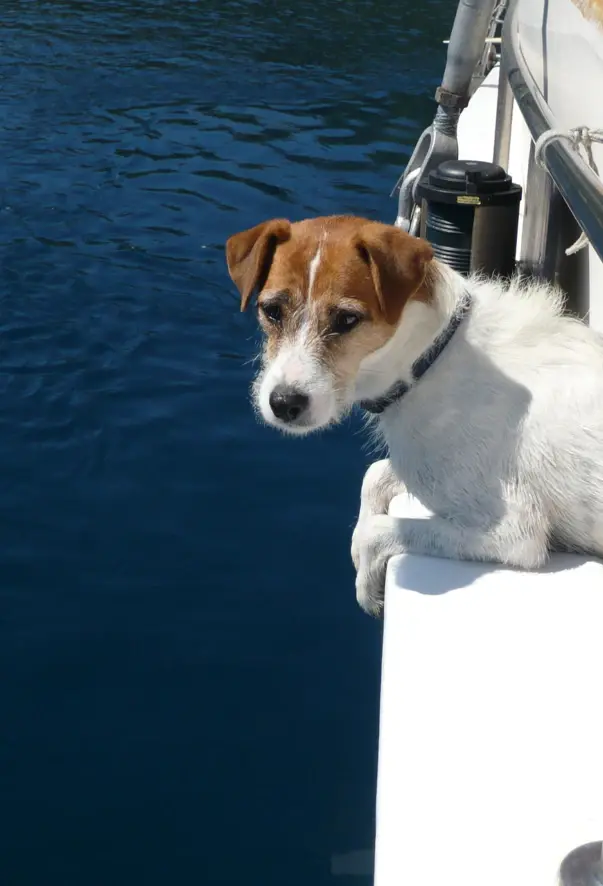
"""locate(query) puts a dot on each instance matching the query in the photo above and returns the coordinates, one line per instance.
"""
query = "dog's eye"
(272, 312)
(344, 321)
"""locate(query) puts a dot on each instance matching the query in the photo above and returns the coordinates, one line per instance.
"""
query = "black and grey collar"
(422, 364)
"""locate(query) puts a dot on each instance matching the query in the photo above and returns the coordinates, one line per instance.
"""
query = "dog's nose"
(288, 403)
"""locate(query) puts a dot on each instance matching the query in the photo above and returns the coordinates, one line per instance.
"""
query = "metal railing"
(581, 189)
(468, 55)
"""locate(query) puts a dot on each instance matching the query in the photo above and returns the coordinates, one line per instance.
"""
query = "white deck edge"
(491, 739)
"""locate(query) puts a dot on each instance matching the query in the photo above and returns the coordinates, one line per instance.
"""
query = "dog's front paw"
(379, 486)
(356, 543)
(375, 542)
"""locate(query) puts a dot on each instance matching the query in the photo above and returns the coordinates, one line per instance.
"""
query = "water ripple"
(189, 694)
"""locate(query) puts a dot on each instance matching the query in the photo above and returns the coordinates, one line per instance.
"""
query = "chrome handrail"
(467, 52)
(581, 189)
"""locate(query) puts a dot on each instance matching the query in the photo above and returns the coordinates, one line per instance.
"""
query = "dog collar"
(422, 364)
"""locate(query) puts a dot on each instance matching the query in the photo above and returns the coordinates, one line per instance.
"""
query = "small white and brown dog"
(489, 398)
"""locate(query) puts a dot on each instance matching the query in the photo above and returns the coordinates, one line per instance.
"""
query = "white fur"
(296, 364)
(502, 438)
(395, 359)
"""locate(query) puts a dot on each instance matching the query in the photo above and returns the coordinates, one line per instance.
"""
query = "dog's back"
(512, 414)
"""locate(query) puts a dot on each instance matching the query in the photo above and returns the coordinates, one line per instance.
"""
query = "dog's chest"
(424, 449)
(450, 452)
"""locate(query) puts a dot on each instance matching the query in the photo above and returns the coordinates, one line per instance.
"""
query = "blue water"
(188, 691)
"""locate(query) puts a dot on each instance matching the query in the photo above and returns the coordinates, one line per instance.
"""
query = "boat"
(490, 743)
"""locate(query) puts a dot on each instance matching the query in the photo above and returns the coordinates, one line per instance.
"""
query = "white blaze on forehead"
(313, 268)
(314, 265)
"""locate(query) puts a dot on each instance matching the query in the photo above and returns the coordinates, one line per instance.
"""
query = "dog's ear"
(397, 262)
(250, 253)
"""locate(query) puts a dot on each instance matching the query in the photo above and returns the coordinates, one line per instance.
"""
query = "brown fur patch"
(363, 266)
(377, 264)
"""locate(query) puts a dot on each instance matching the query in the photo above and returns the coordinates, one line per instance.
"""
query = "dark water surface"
(188, 693)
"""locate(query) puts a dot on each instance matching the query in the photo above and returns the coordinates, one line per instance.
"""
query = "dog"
(488, 397)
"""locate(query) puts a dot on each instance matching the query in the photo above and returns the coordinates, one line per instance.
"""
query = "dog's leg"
(379, 486)
(514, 541)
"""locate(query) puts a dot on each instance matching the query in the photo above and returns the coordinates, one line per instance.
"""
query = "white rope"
(580, 137)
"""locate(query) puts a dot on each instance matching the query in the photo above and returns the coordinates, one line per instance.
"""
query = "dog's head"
(330, 292)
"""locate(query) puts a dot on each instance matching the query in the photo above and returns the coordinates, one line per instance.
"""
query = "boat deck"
(490, 738)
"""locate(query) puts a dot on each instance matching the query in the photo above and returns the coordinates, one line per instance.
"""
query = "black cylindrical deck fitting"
(470, 211)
